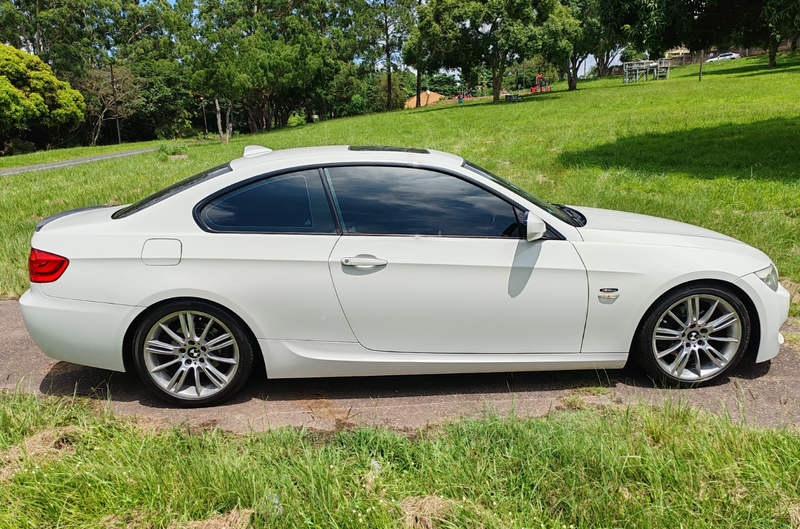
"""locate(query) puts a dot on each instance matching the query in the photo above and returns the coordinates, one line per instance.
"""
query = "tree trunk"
(419, 87)
(96, 130)
(229, 125)
(773, 52)
(572, 74)
(252, 118)
(219, 119)
(388, 80)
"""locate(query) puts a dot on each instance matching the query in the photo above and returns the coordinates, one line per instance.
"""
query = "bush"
(172, 149)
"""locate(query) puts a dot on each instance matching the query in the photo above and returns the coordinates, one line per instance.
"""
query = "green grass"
(626, 467)
(722, 153)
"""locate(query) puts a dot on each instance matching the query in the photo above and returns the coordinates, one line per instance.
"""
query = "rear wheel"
(693, 335)
(192, 353)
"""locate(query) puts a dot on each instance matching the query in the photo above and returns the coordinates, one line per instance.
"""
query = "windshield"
(547, 206)
(168, 191)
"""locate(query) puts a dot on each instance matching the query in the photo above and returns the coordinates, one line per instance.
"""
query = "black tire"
(693, 347)
(207, 367)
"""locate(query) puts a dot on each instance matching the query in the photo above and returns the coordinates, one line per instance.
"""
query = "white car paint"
(439, 305)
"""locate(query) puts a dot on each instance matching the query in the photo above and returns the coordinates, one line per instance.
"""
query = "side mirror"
(534, 227)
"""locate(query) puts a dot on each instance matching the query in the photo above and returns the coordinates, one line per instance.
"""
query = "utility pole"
(116, 106)
(700, 77)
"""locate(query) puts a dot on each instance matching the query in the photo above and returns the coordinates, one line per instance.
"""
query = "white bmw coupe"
(351, 261)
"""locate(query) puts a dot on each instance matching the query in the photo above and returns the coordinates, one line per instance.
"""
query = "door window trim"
(550, 234)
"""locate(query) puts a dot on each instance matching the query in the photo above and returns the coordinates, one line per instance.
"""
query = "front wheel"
(693, 335)
(192, 353)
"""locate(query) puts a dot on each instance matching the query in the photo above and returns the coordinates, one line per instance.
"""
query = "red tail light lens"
(45, 267)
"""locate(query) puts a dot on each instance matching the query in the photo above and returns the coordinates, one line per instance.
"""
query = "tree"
(106, 101)
(561, 31)
(34, 104)
(700, 24)
(384, 26)
(471, 33)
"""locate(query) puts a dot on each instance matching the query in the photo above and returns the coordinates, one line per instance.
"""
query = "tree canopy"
(33, 102)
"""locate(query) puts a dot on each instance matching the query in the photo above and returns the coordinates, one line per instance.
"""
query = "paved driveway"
(767, 394)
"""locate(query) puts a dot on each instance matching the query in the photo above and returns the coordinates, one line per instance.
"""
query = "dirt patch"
(325, 409)
(44, 446)
(793, 288)
(134, 519)
(236, 519)
(423, 512)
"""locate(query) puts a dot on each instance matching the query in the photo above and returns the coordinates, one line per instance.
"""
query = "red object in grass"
(45, 267)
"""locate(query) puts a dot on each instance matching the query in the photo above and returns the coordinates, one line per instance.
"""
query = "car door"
(430, 262)
(265, 246)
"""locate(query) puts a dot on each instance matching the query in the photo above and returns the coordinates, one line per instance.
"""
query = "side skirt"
(303, 359)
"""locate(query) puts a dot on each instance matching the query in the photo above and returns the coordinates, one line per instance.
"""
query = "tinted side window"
(287, 203)
(407, 201)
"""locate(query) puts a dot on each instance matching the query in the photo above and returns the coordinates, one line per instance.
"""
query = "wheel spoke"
(723, 322)
(184, 325)
(692, 309)
(190, 326)
(678, 320)
(159, 348)
(165, 365)
(723, 339)
(179, 374)
(713, 357)
(197, 384)
(716, 354)
(172, 335)
(202, 337)
(709, 313)
(211, 376)
(667, 334)
(217, 373)
(680, 362)
(698, 367)
(221, 359)
(220, 342)
(669, 351)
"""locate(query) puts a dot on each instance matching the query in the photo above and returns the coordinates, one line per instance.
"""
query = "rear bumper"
(81, 332)
(773, 309)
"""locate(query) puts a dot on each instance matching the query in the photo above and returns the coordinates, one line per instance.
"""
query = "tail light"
(45, 267)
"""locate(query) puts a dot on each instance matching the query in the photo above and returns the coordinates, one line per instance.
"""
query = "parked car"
(351, 261)
(725, 57)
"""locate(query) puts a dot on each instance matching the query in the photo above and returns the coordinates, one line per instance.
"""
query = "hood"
(603, 225)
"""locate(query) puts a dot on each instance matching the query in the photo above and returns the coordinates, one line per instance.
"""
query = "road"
(767, 394)
(72, 162)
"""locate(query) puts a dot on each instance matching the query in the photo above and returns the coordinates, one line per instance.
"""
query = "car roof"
(346, 153)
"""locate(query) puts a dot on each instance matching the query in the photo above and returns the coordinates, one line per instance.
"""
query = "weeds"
(616, 467)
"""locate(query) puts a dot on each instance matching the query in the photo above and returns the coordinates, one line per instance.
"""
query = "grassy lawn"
(65, 462)
(56, 155)
(723, 153)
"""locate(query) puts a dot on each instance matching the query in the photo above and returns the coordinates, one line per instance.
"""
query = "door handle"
(363, 263)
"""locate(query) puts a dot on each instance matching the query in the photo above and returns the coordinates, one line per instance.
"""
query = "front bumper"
(80, 332)
(772, 308)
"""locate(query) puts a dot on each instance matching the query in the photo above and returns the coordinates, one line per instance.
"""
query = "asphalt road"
(73, 161)
(767, 394)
